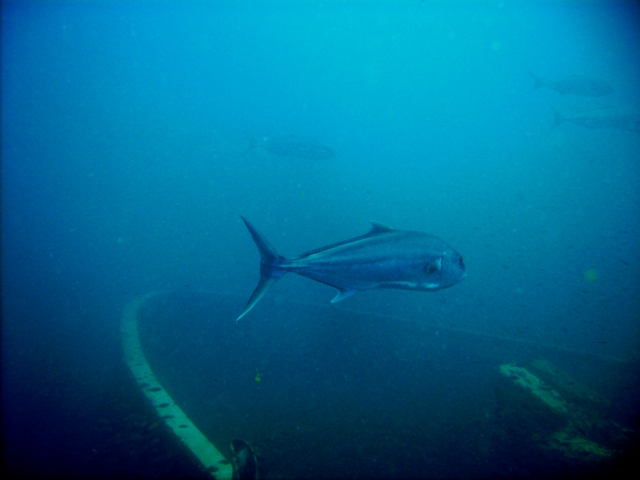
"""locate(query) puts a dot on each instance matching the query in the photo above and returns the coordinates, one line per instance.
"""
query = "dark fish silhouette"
(576, 85)
(611, 117)
(293, 146)
(382, 258)
(244, 461)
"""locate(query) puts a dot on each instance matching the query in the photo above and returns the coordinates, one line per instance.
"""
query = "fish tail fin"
(557, 119)
(253, 143)
(538, 83)
(270, 269)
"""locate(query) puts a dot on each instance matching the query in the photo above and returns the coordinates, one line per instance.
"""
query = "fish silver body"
(293, 146)
(618, 118)
(382, 258)
(296, 146)
(575, 85)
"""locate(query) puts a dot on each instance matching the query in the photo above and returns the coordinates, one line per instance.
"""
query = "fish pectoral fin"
(342, 294)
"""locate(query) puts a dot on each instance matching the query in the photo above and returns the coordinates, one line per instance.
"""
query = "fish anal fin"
(342, 294)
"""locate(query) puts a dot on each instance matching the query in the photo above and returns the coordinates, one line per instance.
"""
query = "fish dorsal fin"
(376, 229)
(379, 228)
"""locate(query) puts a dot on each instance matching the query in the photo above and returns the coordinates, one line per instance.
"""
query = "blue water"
(125, 167)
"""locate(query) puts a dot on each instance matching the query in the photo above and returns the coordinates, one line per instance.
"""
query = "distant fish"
(382, 258)
(576, 85)
(293, 146)
(612, 117)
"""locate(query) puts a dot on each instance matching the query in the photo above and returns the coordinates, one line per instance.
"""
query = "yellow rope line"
(184, 429)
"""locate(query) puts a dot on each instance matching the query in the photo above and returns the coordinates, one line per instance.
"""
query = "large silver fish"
(612, 117)
(293, 146)
(382, 258)
(576, 85)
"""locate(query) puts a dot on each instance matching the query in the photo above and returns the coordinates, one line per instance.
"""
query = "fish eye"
(460, 262)
(432, 267)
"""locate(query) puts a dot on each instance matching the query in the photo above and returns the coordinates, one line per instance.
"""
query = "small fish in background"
(590, 275)
(575, 85)
(382, 258)
(293, 146)
(618, 118)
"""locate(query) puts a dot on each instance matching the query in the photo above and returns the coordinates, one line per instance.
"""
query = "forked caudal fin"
(270, 271)
(557, 119)
(538, 83)
(252, 145)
